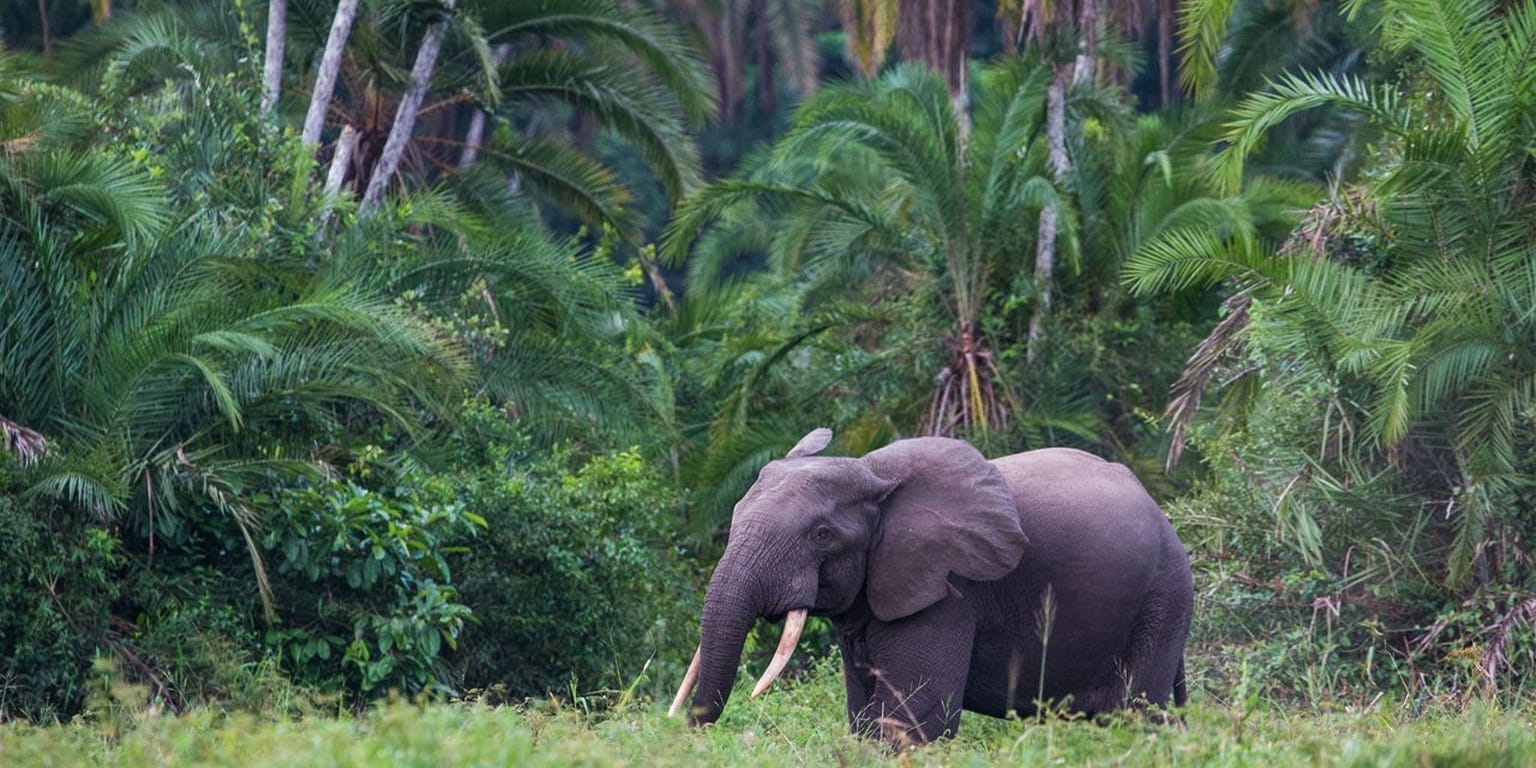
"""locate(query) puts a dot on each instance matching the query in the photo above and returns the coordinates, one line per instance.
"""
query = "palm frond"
(654, 42)
(1293, 93)
(571, 179)
(621, 99)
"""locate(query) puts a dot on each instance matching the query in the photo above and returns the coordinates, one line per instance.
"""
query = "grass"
(797, 724)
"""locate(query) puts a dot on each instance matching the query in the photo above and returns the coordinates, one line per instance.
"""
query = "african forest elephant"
(942, 572)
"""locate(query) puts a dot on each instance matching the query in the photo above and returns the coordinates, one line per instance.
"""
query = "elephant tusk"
(794, 623)
(691, 677)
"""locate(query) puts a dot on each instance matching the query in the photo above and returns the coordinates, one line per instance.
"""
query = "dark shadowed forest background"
(422, 346)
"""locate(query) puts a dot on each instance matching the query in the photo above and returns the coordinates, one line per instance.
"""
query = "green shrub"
(577, 581)
(57, 582)
(198, 630)
(1326, 573)
(363, 581)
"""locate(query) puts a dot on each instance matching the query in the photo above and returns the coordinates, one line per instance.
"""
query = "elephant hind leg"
(1180, 693)
(1154, 662)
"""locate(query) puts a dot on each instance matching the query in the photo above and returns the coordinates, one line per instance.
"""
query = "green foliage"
(577, 583)
(616, 67)
(871, 196)
(56, 588)
(799, 724)
(373, 568)
(872, 199)
(1325, 568)
(1375, 432)
(196, 640)
(191, 332)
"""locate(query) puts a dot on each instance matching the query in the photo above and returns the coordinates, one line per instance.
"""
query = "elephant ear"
(812, 444)
(951, 512)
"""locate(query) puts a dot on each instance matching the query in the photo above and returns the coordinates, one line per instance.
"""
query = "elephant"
(1048, 577)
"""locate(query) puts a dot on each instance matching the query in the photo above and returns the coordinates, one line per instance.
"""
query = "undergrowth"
(801, 723)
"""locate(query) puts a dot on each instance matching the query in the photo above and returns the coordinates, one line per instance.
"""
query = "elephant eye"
(822, 534)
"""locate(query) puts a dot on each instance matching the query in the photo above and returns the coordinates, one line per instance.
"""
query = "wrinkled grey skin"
(939, 568)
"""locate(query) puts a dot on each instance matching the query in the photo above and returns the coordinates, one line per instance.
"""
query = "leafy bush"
(57, 582)
(363, 576)
(1326, 574)
(577, 580)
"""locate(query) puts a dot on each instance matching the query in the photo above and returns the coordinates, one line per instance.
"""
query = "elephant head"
(817, 534)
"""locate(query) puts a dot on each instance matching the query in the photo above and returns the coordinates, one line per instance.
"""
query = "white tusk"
(691, 677)
(794, 623)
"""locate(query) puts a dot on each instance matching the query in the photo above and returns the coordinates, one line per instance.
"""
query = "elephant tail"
(1180, 692)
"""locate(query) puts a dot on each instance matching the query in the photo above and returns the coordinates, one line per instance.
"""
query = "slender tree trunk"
(1165, 53)
(272, 67)
(727, 57)
(476, 132)
(42, 16)
(1086, 67)
(405, 116)
(1045, 266)
(1056, 124)
(762, 51)
(1045, 240)
(345, 147)
(330, 66)
(938, 33)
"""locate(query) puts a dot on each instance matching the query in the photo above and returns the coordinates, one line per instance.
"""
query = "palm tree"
(739, 369)
(173, 335)
(330, 67)
(622, 68)
(875, 178)
(405, 114)
(1413, 285)
(1229, 49)
(177, 377)
(752, 44)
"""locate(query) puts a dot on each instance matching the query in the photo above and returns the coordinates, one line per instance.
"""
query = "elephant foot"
(901, 736)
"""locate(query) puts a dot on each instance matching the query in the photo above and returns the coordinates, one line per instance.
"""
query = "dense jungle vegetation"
(366, 349)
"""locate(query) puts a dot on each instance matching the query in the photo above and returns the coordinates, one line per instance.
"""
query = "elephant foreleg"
(858, 683)
(917, 669)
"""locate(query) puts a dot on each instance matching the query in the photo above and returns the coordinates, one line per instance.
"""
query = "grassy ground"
(799, 724)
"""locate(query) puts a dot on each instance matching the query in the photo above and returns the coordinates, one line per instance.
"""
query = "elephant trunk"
(731, 606)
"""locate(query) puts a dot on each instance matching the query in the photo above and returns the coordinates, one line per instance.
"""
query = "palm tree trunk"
(1056, 124)
(272, 67)
(42, 16)
(938, 33)
(1045, 240)
(1165, 54)
(762, 52)
(476, 132)
(330, 66)
(1086, 66)
(728, 62)
(405, 116)
(345, 146)
(1045, 266)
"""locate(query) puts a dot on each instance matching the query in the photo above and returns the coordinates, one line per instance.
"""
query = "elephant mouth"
(831, 601)
(809, 610)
